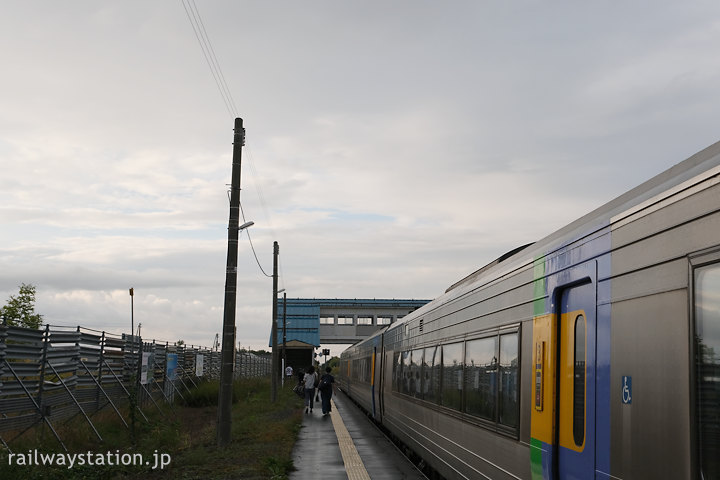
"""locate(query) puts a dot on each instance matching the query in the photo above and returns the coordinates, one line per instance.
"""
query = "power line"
(198, 26)
(251, 244)
(217, 63)
(203, 39)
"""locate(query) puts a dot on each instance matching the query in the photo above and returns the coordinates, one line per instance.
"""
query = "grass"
(263, 435)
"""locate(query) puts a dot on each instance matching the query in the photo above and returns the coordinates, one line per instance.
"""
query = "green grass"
(263, 435)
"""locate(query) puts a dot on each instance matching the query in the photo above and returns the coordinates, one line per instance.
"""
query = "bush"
(206, 394)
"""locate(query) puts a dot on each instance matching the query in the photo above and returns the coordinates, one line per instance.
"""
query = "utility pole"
(274, 364)
(227, 362)
(284, 351)
(132, 317)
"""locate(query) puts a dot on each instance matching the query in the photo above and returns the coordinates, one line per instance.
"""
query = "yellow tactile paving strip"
(354, 465)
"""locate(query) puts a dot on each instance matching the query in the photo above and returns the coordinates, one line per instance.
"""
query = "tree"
(20, 309)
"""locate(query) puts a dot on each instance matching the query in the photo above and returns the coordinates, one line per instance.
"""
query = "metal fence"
(60, 373)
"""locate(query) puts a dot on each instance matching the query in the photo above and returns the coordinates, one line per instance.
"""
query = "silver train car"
(593, 353)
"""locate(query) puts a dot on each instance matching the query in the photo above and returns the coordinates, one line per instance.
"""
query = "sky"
(392, 147)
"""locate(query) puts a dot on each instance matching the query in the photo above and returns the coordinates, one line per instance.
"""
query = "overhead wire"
(217, 63)
(198, 26)
(252, 247)
(208, 51)
(263, 204)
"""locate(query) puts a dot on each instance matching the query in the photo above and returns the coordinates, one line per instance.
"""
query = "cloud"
(391, 148)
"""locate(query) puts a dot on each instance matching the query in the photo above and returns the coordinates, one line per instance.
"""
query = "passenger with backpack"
(326, 390)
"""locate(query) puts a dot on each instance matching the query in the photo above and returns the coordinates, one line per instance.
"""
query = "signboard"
(172, 362)
(145, 368)
(199, 360)
(627, 390)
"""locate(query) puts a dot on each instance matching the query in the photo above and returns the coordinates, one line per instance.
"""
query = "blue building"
(311, 322)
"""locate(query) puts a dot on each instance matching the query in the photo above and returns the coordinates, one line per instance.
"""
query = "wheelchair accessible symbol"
(627, 390)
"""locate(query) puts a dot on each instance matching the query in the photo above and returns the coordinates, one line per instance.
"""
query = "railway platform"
(346, 445)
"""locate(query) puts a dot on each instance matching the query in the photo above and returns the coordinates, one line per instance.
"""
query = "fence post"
(41, 381)
(100, 372)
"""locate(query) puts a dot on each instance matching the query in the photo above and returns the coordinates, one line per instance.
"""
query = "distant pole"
(132, 318)
(228, 336)
(274, 365)
(284, 351)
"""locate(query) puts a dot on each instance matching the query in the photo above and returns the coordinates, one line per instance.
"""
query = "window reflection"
(481, 370)
(479, 377)
(406, 372)
(431, 373)
(452, 376)
(509, 381)
(707, 333)
(415, 380)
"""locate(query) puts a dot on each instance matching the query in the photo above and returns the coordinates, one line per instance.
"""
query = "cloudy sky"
(392, 147)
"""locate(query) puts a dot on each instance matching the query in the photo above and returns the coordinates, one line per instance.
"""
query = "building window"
(707, 368)
(327, 320)
(384, 320)
(365, 321)
(343, 320)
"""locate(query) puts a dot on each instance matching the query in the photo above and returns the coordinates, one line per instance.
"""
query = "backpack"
(299, 389)
(325, 383)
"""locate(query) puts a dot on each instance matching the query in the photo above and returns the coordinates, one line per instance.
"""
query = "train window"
(397, 372)
(415, 379)
(431, 373)
(579, 383)
(406, 373)
(384, 320)
(481, 377)
(343, 320)
(355, 370)
(509, 382)
(707, 368)
(364, 321)
(452, 375)
(327, 320)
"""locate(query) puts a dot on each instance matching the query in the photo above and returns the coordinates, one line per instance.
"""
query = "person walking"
(326, 390)
(309, 380)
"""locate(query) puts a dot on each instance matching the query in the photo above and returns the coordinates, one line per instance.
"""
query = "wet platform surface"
(347, 445)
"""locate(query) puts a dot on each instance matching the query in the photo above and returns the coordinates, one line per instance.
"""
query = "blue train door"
(575, 414)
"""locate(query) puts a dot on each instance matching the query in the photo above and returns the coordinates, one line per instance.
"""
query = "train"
(593, 353)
